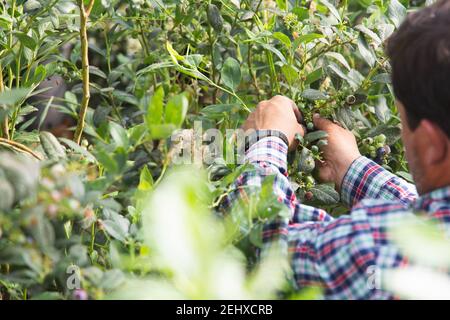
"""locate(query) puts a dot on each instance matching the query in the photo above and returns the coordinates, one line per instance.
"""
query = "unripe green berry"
(322, 143)
(381, 138)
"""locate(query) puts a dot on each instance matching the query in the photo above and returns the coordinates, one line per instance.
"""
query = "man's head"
(420, 57)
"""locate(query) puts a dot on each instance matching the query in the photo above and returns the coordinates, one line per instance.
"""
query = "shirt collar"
(437, 195)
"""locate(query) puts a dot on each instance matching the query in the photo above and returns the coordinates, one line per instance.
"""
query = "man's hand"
(279, 113)
(338, 154)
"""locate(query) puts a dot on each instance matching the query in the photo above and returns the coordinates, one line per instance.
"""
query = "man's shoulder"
(380, 210)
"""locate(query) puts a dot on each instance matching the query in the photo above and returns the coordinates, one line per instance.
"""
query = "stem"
(250, 70)
(19, 147)
(144, 39)
(84, 16)
(213, 67)
(4, 124)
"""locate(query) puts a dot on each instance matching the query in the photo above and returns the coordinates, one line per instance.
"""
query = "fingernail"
(316, 115)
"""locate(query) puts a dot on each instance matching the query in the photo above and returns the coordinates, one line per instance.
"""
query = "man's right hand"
(279, 113)
(339, 153)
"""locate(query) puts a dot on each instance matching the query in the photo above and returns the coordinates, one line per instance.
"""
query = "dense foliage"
(104, 212)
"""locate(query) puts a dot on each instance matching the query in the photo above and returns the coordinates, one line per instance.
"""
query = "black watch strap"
(257, 135)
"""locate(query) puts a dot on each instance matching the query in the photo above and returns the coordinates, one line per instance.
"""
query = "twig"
(84, 16)
(20, 147)
(326, 49)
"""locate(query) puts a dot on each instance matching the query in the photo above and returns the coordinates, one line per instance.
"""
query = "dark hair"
(420, 58)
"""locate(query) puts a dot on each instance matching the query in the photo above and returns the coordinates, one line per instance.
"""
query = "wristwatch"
(257, 135)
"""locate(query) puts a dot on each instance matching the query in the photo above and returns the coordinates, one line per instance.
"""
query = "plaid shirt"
(338, 253)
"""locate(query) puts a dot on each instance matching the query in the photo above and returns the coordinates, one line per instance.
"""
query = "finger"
(287, 101)
(300, 129)
(321, 123)
(297, 113)
(262, 103)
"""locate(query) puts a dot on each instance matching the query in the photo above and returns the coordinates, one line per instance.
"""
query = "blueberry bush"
(92, 205)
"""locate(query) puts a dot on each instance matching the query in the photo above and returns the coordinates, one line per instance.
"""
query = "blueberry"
(381, 152)
(378, 160)
(80, 294)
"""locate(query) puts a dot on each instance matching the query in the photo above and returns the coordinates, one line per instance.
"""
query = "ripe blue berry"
(381, 152)
(80, 294)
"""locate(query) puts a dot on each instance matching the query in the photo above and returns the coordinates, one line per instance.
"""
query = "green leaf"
(154, 67)
(332, 9)
(314, 76)
(281, 4)
(396, 12)
(48, 295)
(313, 94)
(290, 73)
(405, 175)
(115, 224)
(119, 135)
(176, 109)
(422, 241)
(315, 135)
(282, 38)
(345, 117)
(145, 179)
(325, 194)
(112, 279)
(13, 96)
(392, 133)
(382, 110)
(365, 52)
(275, 51)
(339, 57)
(173, 54)
(215, 110)
(155, 107)
(369, 33)
(214, 17)
(382, 78)
(231, 73)
(75, 147)
(306, 38)
(107, 161)
(116, 229)
(255, 235)
(39, 74)
(161, 131)
(26, 40)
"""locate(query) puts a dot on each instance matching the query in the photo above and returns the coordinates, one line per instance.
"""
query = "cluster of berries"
(375, 148)
(306, 157)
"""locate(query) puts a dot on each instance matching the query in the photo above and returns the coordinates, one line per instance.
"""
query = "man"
(336, 253)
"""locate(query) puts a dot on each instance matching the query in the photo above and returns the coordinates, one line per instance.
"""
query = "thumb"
(325, 172)
(321, 123)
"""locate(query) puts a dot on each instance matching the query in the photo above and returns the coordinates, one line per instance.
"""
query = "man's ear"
(433, 142)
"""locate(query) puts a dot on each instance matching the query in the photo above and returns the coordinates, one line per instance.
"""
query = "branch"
(84, 16)
(89, 7)
(20, 147)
